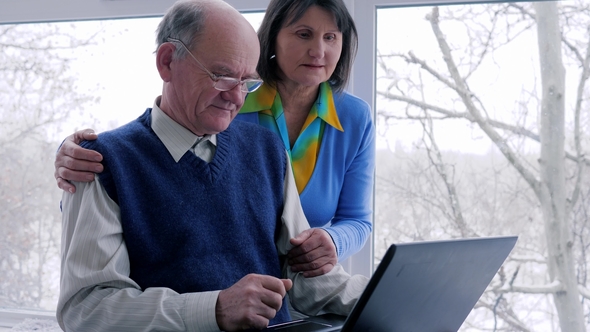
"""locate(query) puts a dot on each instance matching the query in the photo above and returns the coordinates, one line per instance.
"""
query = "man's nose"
(234, 95)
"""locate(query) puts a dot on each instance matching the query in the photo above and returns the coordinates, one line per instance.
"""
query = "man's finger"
(274, 285)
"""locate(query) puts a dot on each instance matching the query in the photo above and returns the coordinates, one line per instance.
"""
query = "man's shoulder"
(131, 128)
(126, 134)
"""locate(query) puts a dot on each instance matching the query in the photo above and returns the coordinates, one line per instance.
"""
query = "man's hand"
(314, 253)
(251, 302)
(74, 163)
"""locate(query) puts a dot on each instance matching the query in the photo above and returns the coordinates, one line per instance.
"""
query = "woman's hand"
(314, 253)
(74, 163)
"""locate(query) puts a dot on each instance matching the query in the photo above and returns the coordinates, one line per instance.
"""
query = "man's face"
(227, 50)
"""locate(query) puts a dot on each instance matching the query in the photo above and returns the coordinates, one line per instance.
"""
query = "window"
(483, 119)
(458, 156)
(57, 78)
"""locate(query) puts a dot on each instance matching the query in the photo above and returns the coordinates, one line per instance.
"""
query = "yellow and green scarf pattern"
(267, 102)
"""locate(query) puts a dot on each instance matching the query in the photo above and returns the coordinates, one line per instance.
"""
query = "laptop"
(419, 286)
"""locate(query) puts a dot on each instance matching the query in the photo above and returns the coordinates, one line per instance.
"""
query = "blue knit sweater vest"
(194, 226)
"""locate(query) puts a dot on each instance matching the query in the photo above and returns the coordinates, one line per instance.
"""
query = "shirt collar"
(176, 138)
(264, 98)
(326, 108)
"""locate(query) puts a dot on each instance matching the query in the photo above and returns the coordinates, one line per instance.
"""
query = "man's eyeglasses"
(223, 83)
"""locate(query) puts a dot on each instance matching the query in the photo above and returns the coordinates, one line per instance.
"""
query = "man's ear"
(164, 60)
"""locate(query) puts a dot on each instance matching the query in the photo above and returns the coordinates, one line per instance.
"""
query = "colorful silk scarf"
(267, 102)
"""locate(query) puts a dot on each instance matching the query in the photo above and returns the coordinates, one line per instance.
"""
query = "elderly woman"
(307, 50)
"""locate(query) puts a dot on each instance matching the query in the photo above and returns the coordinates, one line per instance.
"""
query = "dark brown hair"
(284, 13)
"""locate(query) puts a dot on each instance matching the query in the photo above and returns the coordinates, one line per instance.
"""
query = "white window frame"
(10, 317)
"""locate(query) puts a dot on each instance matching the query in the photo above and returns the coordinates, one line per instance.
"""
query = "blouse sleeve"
(351, 225)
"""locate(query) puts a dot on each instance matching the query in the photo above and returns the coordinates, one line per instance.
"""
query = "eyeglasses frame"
(216, 78)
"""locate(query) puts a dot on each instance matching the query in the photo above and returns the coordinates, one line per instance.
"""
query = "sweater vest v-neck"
(190, 225)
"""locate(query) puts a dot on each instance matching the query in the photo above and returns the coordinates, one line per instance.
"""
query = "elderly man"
(188, 226)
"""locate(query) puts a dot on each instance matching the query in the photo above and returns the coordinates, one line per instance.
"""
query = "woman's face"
(308, 50)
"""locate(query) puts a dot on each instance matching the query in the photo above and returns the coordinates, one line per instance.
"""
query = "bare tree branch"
(505, 149)
(461, 115)
(577, 131)
(551, 288)
(448, 114)
(509, 318)
(585, 292)
(442, 169)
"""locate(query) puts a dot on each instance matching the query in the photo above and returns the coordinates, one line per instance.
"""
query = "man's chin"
(220, 121)
(221, 127)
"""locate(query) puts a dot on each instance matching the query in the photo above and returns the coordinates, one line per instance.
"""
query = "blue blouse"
(338, 195)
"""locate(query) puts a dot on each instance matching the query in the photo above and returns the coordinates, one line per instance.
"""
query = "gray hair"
(185, 20)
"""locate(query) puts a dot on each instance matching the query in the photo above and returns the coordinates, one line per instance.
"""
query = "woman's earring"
(272, 56)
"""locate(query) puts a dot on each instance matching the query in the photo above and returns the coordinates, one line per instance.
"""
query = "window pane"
(58, 78)
(483, 120)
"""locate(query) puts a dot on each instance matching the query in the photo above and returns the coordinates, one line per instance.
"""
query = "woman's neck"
(297, 102)
(297, 99)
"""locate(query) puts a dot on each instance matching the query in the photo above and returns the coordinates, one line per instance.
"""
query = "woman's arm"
(341, 194)
(351, 225)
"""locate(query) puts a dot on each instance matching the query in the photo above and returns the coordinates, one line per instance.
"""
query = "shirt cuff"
(199, 312)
